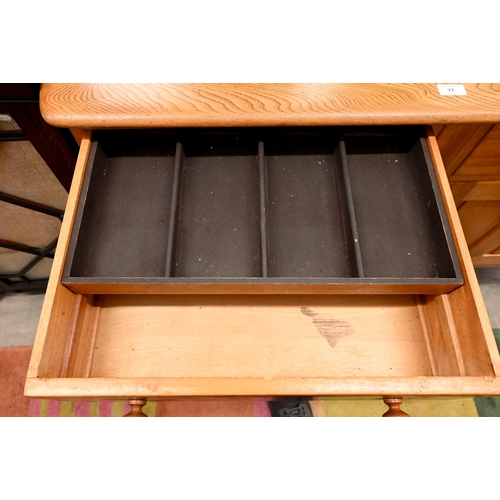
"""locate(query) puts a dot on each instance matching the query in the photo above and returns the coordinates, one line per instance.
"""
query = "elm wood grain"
(483, 191)
(60, 307)
(160, 388)
(488, 244)
(458, 141)
(186, 105)
(483, 163)
(487, 260)
(470, 315)
(460, 190)
(136, 405)
(394, 403)
(478, 218)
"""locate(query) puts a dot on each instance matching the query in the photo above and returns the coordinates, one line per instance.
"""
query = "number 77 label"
(445, 89)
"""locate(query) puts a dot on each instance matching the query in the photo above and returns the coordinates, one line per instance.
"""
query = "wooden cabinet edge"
(56, 294)
(470, 279)
(168, 388)
(98, 106)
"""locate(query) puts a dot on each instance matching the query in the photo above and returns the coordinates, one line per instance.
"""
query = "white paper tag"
(445, 89)
(5, 118)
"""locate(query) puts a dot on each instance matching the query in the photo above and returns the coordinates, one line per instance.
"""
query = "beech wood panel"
(61, 305)
(259, 336)
(185, 105)
(155, 388)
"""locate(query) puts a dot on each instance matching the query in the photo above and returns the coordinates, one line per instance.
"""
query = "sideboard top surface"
(100, 105)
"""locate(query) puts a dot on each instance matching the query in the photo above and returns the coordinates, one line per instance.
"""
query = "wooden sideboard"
(471, 155)
(121, 343)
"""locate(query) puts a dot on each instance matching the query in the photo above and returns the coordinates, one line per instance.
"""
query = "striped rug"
(464, 407)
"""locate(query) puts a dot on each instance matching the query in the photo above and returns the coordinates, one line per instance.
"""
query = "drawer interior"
(308, 205)
(264, 337)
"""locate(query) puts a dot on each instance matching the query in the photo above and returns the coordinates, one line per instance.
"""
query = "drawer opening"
(207, 336)
(311, 206)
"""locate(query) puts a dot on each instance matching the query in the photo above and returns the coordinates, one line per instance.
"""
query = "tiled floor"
(19, 312)
(19, 315)
(489, 281)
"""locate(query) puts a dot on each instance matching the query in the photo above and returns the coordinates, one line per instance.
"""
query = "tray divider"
(262, 206)
(352, 238)
(172, 226)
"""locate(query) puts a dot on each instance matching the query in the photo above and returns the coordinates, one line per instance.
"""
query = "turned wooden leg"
(394, 402)
(136, 405)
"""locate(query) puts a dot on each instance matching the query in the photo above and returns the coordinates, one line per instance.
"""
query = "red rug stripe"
(82, 409)
(53, 408)
(14, 363)
(223, 408)
(105, 408)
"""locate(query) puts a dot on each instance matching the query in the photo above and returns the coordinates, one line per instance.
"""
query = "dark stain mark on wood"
(331, 329)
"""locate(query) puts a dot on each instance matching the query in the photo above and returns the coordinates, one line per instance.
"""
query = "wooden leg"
(394, 402)
(136, 405)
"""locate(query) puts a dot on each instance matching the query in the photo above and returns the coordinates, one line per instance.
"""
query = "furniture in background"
(471, 155)
(37, 162)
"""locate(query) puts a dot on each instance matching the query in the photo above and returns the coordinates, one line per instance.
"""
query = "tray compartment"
(401, 231)
(218, 228)
(122, 224)
(306, 235)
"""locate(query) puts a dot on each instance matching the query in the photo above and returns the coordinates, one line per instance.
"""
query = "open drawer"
(130, 342)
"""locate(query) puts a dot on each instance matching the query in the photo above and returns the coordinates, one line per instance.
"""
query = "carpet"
(14, 365)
